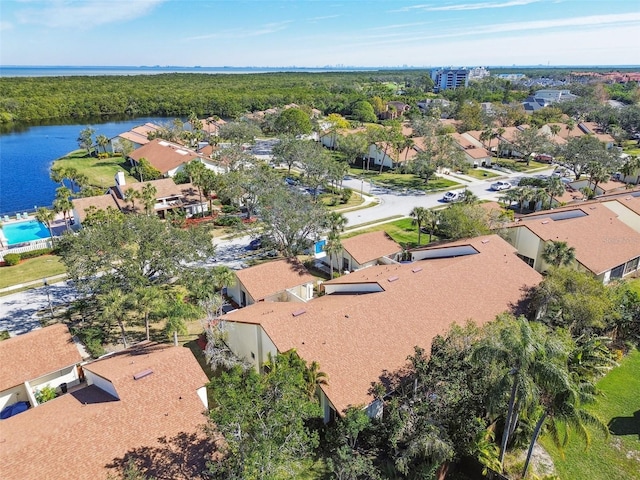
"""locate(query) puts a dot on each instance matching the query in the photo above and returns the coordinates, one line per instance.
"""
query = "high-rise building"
(446, 78)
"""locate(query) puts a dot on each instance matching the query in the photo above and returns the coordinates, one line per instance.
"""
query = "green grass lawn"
(403, 180)
(99, 171)
(519, 166)
(400, 230)
(481, 174)
(31, 269)
(616, 457)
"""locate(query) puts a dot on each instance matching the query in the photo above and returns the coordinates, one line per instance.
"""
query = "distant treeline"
(40, 99)
(35, 99)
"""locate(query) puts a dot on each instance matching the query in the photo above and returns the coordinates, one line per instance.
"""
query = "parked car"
(544, 158)
(450, 197)
(500, 185)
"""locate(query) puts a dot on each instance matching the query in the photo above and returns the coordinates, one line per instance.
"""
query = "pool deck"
(57, 226)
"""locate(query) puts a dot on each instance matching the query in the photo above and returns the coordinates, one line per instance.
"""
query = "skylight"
(446, 252)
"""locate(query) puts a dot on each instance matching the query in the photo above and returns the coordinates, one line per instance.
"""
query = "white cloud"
(469, 6)
(5, 26)
(85, 13)
(235, 33)
(326, 17)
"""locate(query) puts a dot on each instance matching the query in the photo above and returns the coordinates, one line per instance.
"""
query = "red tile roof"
(270, 278)
(29, 356)
(164, 156)
(368, 247)
(357, 338)
(600, 239)
(81, 435)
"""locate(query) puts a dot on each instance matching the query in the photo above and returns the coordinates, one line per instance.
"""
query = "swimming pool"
(21, 232)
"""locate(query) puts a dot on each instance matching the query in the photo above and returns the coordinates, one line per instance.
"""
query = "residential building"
(169, 158)
(474, 154)
(170, 197)
(366, 250)
(43, 357)
(544, 98)
(138, 136)
(368, 322)
(285, 280)
(448, 78)
(478, 73)
(604, 244)
(145, 403)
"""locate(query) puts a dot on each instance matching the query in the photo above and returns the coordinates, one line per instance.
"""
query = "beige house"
(169, 197)
(365, 250)
(144, 402)
(47, 357)
(604, 245)
(283, 280)
(368, 322)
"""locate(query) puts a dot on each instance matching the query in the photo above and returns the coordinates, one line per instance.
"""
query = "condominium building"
(446, 78)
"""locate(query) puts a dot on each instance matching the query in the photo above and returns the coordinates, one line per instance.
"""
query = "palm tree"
(46, 216)
(130, 195)
(62, 203)
(314, 378)
(526, 356)
(554, 188)
(102, 141)
(196, 172)
(598, 173)
(176, 311)
(630, 166)
(148, 196)
(114, 306)
(419, 218)
(333, 247)
(147, 300)
(562, 405)
(468, 197)
(555, 129)
(558, 253)
(223, 277)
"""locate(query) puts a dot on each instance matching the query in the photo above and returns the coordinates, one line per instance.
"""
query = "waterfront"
(27, 153)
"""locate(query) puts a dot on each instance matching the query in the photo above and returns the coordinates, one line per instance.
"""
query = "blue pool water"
(21, 232)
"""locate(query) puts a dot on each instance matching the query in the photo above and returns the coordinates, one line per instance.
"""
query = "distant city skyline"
(348, 33)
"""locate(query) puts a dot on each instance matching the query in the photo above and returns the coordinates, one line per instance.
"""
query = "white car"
(499, 186)
(450, 197)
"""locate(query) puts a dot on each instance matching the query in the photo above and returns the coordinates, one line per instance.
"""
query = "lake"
(27, 153)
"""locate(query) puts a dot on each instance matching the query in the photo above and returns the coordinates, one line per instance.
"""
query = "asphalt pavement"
(21, 312)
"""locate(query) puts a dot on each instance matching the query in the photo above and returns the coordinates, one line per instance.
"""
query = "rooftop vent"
(163, 143)
(142, 374)
(182, 152)
(393, 279)
(297, 313)
(416, 270)
(485, 241)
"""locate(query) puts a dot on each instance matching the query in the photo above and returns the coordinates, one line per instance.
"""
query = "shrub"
(346, 194)
(35, 253)
(92, 337)
(228, 221)
(230, 209)
(45, 394)
(12, 259)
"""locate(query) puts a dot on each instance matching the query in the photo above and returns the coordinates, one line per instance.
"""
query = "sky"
(306, 33)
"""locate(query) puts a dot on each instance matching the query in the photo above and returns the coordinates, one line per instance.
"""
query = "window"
(527, 260)
(631, 265)
(618, 271)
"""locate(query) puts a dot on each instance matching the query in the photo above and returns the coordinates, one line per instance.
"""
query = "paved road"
(401, 203)
(20, 312)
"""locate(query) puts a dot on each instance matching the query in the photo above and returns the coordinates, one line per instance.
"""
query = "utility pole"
(46, 286)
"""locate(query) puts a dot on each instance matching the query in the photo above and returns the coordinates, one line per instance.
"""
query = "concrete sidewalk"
(35, 283)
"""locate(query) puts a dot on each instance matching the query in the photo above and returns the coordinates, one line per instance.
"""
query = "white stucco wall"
(527, 243)
(100, 382)
(13, 395)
